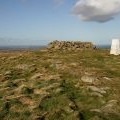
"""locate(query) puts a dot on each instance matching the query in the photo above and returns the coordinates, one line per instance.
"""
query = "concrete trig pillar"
(115, 47)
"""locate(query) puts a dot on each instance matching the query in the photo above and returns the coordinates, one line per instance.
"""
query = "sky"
(38, 22)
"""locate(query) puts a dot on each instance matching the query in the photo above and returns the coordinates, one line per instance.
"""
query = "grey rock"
(96, 94)
(111, 107)
(7, 73)
(106, 78)
(88, 79)
(67, 45)
(74, 64)
(96, 89)
(59, 90)
(96, 110)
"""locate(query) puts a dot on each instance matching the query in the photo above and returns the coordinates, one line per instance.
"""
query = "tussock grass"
(54, 95)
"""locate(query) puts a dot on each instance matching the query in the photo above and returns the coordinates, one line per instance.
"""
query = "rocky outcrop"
(70, 45)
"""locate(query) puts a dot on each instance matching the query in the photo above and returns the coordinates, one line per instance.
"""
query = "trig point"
(115, 47)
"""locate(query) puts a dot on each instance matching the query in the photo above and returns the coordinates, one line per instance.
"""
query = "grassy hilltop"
(59, 85)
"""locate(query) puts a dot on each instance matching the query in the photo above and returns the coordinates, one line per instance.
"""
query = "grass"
(55, 103)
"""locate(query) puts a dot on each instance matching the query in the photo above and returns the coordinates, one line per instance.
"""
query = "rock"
(59, 90)
(96, 89)
(96, 110)
(12, 57)
(72, 106)
(13, 97)
(68, 109)
(53, 77)
(7, 73)
(74, 64)
(3, 58)
(2, 90)
(88, 79)
(26, 101)
(77, 85)
(56, 64)
(36, 76)
(67, 45)
(40, 92)
(110, 111)
(96, 94)
(40, 117)
(111, 107)
(106, 78)
(51, 86)
(22, 66)
(19, 81)
(113, 102)
(87, 73)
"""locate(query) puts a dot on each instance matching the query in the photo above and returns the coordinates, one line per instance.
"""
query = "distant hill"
(103, 46)
(20, 47)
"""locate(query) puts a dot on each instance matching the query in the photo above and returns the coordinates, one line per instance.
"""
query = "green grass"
(24, 103)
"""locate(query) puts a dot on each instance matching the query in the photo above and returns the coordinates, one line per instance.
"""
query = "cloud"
(96, 10)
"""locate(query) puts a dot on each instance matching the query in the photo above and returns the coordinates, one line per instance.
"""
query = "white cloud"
(96, 10)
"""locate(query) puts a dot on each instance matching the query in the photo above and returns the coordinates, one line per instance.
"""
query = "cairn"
(70, 45)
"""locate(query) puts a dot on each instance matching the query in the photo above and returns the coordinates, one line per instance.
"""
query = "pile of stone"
(70, 45)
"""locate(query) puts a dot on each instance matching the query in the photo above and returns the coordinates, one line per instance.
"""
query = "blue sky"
(37, 22)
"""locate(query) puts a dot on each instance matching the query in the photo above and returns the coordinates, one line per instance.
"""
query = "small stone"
(20, 81)
(106, 78)
(36, 76)
(12, 57)
(51, 86)
(96, 110)
(40, 92)
(113, 102)
(96, 89)
(88, 79)
(22, 66)
(72, 106)
(59, 90)
(96, 94)
(77, 85)
(54, 77)
(74, 64)
(7, 73)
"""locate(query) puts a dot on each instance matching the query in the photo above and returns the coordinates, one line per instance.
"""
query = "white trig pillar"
(115, 47)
